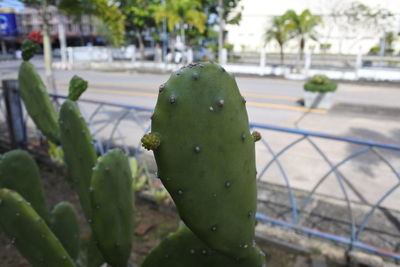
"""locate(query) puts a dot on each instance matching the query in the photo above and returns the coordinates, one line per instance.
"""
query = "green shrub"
(374, 50)
(321, 84)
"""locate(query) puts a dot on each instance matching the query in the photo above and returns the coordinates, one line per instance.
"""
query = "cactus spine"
(64, 223)
(29, 232)
(19, 172)
(206, 156)
(37, 102)
(112, 207)
(80, 155)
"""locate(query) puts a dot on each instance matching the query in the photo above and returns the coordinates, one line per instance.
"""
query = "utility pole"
(221, 30)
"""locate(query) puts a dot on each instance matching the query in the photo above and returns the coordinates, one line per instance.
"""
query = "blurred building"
(82, 29)
(335, 33)
(16, 25)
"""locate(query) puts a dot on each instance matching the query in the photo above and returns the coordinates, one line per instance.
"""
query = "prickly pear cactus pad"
(112, 207)
(29, 233)
(19, 172)
(37, 102)
(77, 86)
(64, 223)
(80, 154)
(206, 156)
(183, 249)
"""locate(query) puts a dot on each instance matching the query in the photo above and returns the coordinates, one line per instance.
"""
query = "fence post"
(262, 61)
(224, 56)
(70, 56)
(358, 64)
(307, 62)
(14, 115)
(133, 59)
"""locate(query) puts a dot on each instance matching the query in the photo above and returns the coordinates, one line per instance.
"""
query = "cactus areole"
(206, 156)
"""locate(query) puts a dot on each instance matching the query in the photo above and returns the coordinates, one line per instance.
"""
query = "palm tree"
(280, 32)
(180, 13)
(303, 26)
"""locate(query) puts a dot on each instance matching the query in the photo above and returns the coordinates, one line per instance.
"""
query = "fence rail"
(369, 218)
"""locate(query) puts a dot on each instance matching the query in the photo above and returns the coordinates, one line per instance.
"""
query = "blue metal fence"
(122, 125)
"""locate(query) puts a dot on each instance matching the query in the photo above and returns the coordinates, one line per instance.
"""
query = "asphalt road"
(368, 112)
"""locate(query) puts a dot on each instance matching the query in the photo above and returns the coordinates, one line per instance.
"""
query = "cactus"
(37, 102)
(206, 156)
(93, 255)
(64, 223)
(29, 49)
(19, 172)
(80, 155)
(183, 248)
(111, 198)
(29, 233)
(77, 86)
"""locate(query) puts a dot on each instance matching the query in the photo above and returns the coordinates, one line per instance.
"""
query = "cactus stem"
(197, 149)
(221, 103)
(243, 137)
(161, 87)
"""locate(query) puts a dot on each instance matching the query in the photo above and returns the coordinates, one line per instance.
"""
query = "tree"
(106, 10)
(180, 13)
(229, 14)
(302, 26)
(280, 32)
(42, 6)
(358, 21)
(109, 12)
(140, 17)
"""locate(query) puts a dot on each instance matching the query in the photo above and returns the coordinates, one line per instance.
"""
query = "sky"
(11, 3)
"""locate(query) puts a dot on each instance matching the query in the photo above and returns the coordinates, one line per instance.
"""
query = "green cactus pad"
(80, 155)
(29, 233)
(112, 207)
(206, 159)
(29, 49)
(93, 255)
(183, 249)
(77, 86)
(19, 172)
(37, 102)
(150, 141)
(64, 223)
